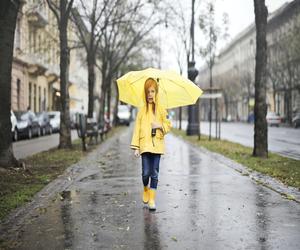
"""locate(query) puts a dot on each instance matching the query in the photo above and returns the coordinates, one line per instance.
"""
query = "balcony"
(36, 16)
(36, 67)
(52, 74)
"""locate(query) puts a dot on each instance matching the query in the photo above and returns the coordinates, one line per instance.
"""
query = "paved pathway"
(201, 204)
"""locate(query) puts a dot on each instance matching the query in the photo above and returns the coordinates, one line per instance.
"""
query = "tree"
(8, 18)
(260, 107)
(275, 70)
(90, 36)
(212, 33)
(119, 41)
(62, 12)
(247, 84)
(181, 27)
(283, 66)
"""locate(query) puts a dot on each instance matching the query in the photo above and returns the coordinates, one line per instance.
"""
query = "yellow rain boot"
(146, 195)
(151, 202)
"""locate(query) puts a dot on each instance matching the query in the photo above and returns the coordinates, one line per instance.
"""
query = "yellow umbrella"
(174, 90)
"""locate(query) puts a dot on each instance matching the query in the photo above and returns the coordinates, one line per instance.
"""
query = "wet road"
(201, 204)
(25, 147)
(282, 140)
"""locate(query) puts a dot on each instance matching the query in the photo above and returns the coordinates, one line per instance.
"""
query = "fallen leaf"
(174, 238)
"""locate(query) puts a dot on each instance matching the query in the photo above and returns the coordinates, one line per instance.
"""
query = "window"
(18, 92)
(29, 95)
(44, 101)
(34, 97)
(39, 44)
(40, 99)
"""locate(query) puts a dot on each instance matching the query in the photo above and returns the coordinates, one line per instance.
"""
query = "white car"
(273, 119)
(14, 130)
(54, 120)
(124, 115)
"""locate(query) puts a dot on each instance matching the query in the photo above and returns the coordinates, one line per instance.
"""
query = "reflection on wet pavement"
(202, 204)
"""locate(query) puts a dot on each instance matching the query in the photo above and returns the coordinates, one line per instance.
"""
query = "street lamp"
(193, 114)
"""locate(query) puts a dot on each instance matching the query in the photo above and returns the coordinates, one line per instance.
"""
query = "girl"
(148, 139)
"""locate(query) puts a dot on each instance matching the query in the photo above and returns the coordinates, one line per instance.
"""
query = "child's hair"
(150, 82)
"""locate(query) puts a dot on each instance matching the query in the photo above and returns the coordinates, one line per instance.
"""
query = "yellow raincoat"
(142, 138)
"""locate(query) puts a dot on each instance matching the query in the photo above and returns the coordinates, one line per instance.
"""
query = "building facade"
(35, 71)
(234, 70)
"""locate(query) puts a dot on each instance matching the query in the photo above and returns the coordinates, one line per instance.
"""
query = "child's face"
(151, 94)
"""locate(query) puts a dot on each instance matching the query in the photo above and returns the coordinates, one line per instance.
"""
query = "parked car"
(14, 130)
(27, 124)
(273, 119)
(44, 121)
(123, 116)
(296, 120)
(54, 120)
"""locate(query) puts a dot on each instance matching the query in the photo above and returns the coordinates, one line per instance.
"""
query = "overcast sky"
(241, 12)
(241, 15)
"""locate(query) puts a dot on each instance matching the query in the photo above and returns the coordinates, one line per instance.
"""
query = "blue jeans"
(150, 168)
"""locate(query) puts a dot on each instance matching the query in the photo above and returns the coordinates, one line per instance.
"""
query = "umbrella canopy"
(174, 90)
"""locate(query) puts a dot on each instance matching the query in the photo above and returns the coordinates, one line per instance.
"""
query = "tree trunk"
(274, 100)
(260, 107)
(116, 106)
(65, 131)
(210, 100)
(102, 102)
(226, 104)
(289, 106)
(91, 80)
(8, 18)
(180, 118)
(108, 100)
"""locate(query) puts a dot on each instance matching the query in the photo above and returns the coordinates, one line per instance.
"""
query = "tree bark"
(116, 105)
(102, 101)
(91, 60)
(226, 104)
(8, 18)
(65, 130)
(108, 101)
(260, 107)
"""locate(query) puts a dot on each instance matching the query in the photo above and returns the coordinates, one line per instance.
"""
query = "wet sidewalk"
(201, 204)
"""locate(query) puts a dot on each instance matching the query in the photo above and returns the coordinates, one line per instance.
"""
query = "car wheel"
(29, 133)
(15, 135)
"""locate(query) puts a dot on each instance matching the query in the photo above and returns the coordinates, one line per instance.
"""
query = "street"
(282, 140)
(202, 203)
(24, 148)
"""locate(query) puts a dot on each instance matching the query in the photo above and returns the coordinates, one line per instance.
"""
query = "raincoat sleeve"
(135, 141)
(166, 123)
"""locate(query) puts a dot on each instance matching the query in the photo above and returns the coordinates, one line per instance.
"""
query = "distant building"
(234, 70)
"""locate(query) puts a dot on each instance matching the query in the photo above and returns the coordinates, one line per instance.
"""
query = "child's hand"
(155, 125)
(136, 153)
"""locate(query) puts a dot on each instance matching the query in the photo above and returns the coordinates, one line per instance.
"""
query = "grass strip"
(282, 168)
